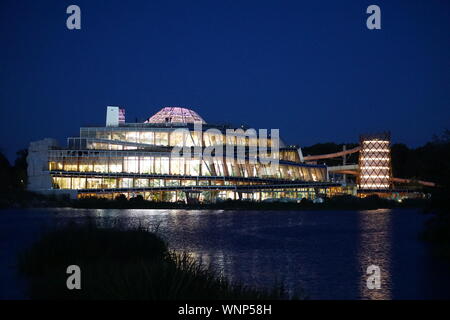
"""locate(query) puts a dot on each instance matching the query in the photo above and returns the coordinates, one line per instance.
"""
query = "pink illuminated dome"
(175, 115)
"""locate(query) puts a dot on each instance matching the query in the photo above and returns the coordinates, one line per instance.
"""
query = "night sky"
(310, 68)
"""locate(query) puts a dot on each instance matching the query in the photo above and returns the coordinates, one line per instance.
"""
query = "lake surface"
(325, 254)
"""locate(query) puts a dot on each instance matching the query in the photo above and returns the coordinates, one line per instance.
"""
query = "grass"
(124, 265)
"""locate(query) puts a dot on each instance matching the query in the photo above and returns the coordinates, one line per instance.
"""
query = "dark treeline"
(13, 182)
(13, 177)
(331, 147)
(430, 162)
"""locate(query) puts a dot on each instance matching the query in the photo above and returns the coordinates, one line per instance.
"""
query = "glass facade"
(134, 138)
(138, 159)
(175, 115)
(164, 164)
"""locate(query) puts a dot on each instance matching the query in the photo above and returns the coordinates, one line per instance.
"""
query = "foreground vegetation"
(334, 203)
(344, 202)
(428, 162)
(437, 228)
(123, 264)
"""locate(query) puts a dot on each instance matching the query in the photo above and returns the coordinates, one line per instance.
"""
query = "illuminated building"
(375, 162)
(138, 159)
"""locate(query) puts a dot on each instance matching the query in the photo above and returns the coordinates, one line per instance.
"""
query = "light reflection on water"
(375, 249)
(323, 253)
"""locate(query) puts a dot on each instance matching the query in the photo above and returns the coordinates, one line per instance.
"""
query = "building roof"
(175, 115)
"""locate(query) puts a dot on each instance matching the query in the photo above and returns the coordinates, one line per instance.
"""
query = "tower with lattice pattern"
(375, 162)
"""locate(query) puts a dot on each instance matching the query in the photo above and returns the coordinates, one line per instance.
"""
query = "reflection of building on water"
(217, 260)
(375, 249)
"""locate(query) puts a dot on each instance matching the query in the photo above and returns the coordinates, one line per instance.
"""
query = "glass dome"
(175, 115)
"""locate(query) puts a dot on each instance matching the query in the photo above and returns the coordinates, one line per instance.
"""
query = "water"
(322, 253)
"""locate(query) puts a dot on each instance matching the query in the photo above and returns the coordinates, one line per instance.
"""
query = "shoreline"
(25, 199)
(251, 206)
(66, 214)
(329, 204)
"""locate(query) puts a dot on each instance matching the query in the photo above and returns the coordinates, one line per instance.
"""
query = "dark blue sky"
(310, 68)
